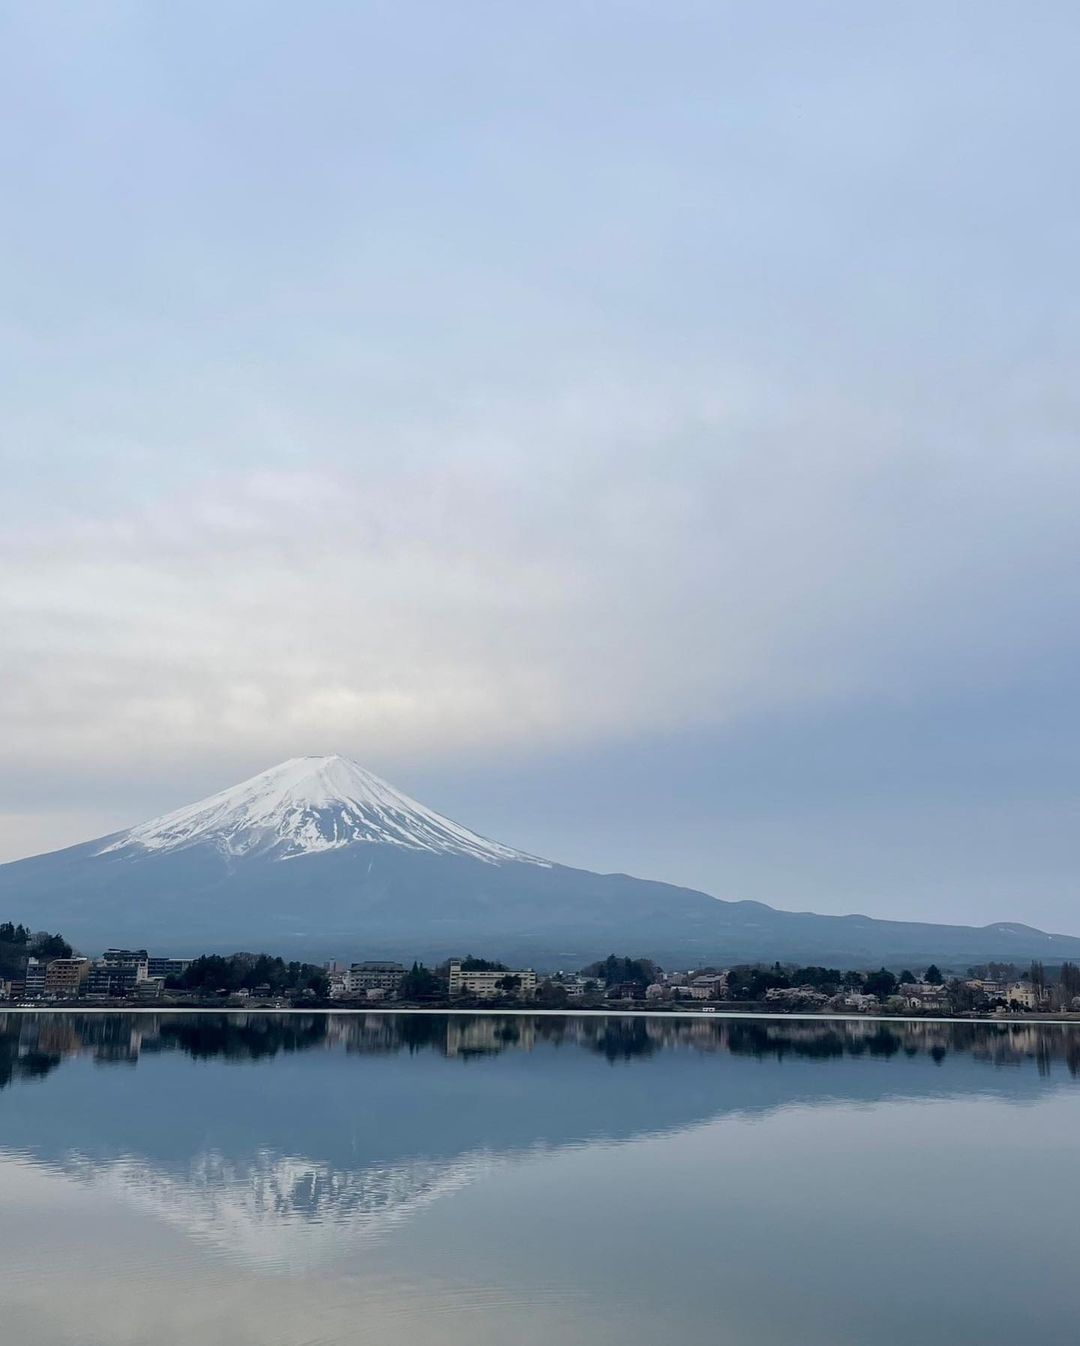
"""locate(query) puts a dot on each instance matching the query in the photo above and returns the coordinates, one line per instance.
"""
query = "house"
(922, 995)
(575, 985)
(993, 990)
(625, 990)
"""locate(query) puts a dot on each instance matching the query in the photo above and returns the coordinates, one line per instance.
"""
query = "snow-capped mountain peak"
(310, 804)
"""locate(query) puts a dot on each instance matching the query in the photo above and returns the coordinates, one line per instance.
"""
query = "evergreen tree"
(881, 983)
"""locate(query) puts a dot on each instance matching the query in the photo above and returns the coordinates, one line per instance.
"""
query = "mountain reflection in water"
(281, 1139)
(472, 1180)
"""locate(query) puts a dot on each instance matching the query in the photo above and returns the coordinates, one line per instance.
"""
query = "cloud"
(602, 561)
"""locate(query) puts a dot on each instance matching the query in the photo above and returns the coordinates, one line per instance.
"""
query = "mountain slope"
(319, 858)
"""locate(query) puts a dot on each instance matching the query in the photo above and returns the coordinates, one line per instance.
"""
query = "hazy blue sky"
(645, 431)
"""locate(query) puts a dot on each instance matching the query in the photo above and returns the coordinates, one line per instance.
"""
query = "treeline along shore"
(41, 969)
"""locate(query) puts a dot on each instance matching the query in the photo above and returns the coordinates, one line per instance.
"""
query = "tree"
(215, 972)
(551, 994)
(420, 983)
(1037, 975)
(881, 983)
(963, 997)
(509, 984)
(827, 979)
(750, 983)
(614, 971)
(47, 946)
(932, 976)
(906, 976)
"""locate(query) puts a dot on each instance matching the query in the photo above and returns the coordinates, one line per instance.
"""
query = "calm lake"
(301, 1179)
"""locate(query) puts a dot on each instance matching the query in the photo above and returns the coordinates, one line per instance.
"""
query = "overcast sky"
(647, 432)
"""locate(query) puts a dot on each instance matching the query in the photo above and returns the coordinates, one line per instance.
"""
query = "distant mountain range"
(317, 857)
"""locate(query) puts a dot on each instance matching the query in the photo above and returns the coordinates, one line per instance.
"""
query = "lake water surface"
(262, 1180)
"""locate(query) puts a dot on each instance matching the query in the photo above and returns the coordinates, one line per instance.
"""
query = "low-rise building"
(488, 983)
(625, 990)
(859, 1000)
(922, 995)
(575, 985)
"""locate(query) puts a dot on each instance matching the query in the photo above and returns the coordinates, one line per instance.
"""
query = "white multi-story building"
(138, 959)
(374, 980)
(1025, 995)
(486, 983)
(35, 977)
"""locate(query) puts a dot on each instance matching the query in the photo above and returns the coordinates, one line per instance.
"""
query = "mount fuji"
(318, 857)
(304, 806)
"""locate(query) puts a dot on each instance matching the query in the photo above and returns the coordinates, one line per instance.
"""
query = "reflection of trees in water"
(29, 1065)
(32, 1045)
(619, 1039)
(251, 1040)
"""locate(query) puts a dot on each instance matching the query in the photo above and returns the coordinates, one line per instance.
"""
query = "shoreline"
(772, 1016)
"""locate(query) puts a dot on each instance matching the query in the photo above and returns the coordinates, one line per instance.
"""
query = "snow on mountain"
(310, 804)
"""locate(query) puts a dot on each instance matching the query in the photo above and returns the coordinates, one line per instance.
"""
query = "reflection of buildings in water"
(488, 1036)
(42, 1041)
